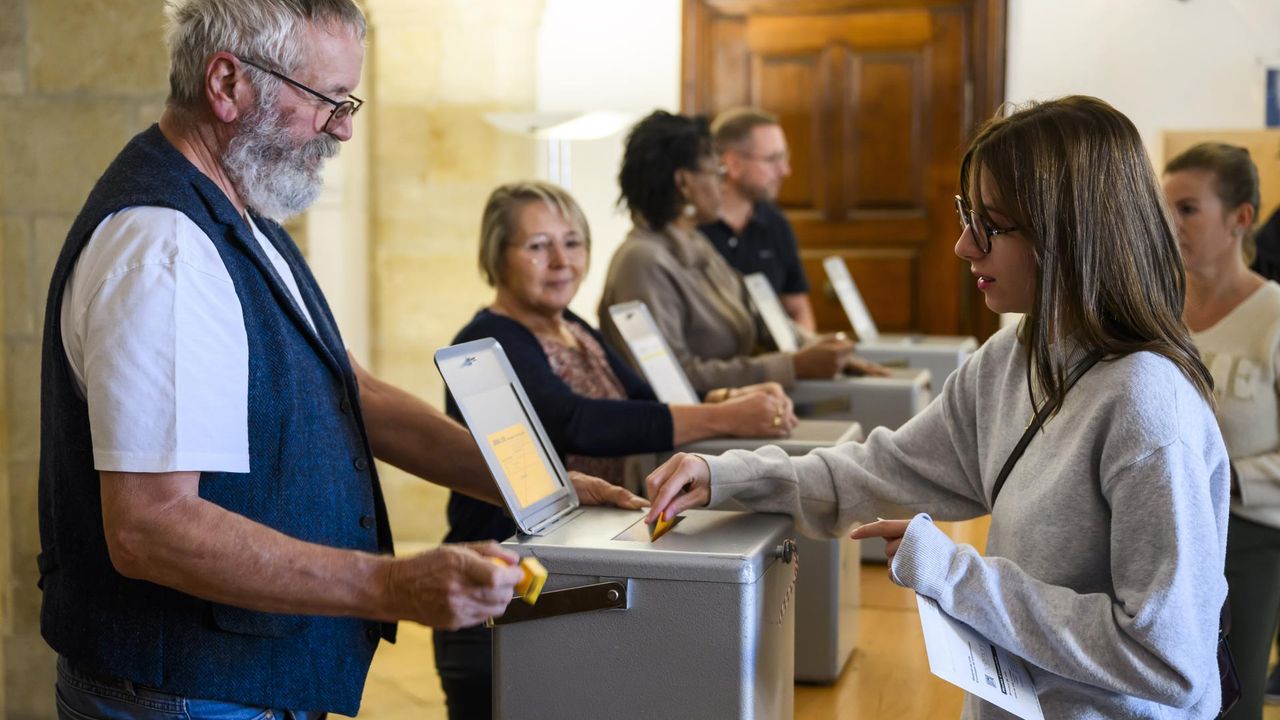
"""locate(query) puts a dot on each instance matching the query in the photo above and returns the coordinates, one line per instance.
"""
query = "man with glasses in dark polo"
(751, 232)
(214, 541)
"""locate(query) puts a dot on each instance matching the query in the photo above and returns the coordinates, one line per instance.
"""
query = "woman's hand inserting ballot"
(594, 491)
(680, 483)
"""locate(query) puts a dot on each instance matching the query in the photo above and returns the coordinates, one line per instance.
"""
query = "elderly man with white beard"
(214, 541)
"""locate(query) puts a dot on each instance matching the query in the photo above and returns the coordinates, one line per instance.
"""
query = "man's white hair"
(265, 31)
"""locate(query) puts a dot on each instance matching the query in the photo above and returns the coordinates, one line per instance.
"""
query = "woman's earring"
(689, 209)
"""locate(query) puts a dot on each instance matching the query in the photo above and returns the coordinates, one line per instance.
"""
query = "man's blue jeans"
(87, 696)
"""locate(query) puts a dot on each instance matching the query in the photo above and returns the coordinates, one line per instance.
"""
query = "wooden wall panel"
(886, 279)
(878, 99)
(883, 120)
(790, 86)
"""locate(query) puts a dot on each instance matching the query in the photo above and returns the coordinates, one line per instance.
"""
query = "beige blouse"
(699, 303)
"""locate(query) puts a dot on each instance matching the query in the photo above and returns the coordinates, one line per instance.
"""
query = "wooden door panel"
(884, 121)
(888, 228)
(791, 87)
(885, 278)
(877, 99)
(731, 58)
(945, 289)
(814, 32)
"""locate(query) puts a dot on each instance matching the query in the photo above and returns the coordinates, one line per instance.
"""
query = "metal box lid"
(808, 435)
(515, 446)
(705, 546)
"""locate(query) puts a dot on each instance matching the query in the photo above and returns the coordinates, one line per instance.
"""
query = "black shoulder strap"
(1036, 422)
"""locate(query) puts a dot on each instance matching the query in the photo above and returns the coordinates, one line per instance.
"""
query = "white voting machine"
(940, 354)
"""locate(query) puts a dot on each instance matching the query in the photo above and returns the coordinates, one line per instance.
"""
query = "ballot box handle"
(611, 595)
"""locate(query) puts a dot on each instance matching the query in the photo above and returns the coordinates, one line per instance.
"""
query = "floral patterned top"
(586, 371)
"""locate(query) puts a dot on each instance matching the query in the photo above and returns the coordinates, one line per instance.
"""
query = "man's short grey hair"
(265, 31)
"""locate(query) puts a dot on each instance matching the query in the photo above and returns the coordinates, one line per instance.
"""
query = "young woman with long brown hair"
(1105, 554)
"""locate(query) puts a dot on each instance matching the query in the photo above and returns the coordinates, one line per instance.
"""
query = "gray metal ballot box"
(872, 401)
(940, 354)
(827, 593)
(699, 623)
(827, 590)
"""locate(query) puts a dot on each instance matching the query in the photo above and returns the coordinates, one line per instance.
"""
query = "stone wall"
(77, 79)
(436, 67)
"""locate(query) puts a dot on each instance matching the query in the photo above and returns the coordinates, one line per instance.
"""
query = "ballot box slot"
(611, 595)
(638, 531)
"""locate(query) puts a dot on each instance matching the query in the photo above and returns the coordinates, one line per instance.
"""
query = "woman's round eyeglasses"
(978, 226)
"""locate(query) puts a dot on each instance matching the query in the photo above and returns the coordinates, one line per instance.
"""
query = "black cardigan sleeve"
(575, 423)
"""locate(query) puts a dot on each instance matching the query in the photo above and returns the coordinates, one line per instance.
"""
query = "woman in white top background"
(1234, 317)
(1104, 564)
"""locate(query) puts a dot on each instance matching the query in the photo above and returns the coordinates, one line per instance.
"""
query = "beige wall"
(6, 543)
(436, 66)
(77, 79)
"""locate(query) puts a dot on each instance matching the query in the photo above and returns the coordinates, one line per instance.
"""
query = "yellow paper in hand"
(535, 576)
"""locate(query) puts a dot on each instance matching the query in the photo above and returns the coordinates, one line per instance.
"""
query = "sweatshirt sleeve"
(928, 465)
(1155, 640)
(576, 423)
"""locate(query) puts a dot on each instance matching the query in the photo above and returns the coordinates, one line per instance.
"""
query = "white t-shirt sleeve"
(155, 336)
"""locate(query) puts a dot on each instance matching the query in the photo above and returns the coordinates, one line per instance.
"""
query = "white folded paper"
(972, 663)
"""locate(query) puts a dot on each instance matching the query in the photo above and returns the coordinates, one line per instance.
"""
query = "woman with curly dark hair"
(670, 181)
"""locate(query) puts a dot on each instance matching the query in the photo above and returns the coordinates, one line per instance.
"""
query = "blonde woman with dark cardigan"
(1104, 564)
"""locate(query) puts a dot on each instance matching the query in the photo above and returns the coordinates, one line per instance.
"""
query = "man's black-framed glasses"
(978, 226)
(342, 109)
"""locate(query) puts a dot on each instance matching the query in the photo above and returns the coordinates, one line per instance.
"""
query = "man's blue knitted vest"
(311, 476)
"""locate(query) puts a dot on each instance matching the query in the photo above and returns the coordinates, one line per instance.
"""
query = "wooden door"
(878, 101)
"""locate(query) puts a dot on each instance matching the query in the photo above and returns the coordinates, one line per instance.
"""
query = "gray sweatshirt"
(1104, 560)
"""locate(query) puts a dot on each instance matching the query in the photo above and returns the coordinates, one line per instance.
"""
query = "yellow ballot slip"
(535, 576)
(522, 464)
(660, 527)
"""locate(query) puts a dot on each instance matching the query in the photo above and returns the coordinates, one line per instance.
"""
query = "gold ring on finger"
(777, 420)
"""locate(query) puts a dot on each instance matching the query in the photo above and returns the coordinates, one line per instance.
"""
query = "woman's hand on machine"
(759, 415)
(680, 483)
(860, 366)
(824, 358)
(594, 491)
(772, 389)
